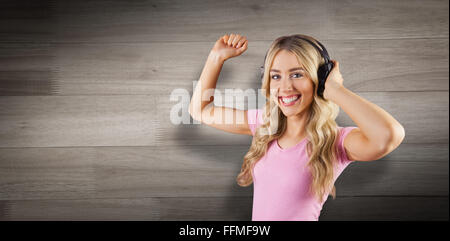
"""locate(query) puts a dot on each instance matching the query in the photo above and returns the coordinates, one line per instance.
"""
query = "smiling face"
(292, 90)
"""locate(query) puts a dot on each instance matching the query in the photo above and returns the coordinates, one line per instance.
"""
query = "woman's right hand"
(229, 46)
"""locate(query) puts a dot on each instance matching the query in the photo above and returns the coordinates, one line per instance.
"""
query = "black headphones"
(324, 69)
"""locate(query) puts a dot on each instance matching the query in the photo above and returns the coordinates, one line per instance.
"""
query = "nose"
(286, 84)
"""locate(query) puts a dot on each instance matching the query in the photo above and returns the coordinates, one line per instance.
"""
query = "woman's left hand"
(334, 80)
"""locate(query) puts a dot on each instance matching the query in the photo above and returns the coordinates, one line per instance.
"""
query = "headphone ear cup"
(322, 74)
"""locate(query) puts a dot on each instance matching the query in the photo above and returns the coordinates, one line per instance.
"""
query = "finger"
(239, 44)
(236, 40)
(241, 41)
(336, 64)
(230, 40)
(244, 46)
(225, 39)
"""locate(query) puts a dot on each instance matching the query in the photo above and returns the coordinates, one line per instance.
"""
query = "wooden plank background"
(85, 86)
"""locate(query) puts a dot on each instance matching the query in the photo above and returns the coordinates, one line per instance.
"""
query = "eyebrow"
(293, 69)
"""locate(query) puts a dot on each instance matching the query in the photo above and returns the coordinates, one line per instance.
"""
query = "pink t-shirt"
(281, 179)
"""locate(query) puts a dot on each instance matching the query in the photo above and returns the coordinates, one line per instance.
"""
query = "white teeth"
(289, 100)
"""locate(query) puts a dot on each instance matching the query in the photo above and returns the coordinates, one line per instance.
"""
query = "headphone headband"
(323, 52)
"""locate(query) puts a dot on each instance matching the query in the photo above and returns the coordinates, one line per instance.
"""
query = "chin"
(290, 112)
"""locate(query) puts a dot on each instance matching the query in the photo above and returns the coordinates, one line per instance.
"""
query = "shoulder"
(343, 133)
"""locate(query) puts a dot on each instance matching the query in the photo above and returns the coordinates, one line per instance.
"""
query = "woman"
(297, 151)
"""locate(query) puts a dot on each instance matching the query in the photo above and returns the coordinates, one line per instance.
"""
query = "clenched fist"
(229, 46)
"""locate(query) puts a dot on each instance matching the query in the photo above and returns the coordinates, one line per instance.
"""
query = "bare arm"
(378, 133)
(202, 106)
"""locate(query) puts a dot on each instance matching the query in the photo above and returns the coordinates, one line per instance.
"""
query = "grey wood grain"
(85, 104)
(219, 208)
(198, 20)
(159, 68)
(145, 120)
(424, 115)
(125, 172)
(88, 121)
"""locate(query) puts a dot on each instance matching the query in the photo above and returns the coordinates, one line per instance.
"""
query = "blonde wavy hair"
(321, 128)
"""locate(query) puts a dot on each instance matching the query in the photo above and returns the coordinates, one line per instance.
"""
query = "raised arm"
(201, 107)
(378, 133)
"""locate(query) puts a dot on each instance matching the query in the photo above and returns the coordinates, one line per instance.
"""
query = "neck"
(296, 125)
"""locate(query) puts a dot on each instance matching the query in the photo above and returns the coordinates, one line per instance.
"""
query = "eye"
(276, 76)
(273, 77)
(299, 75)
